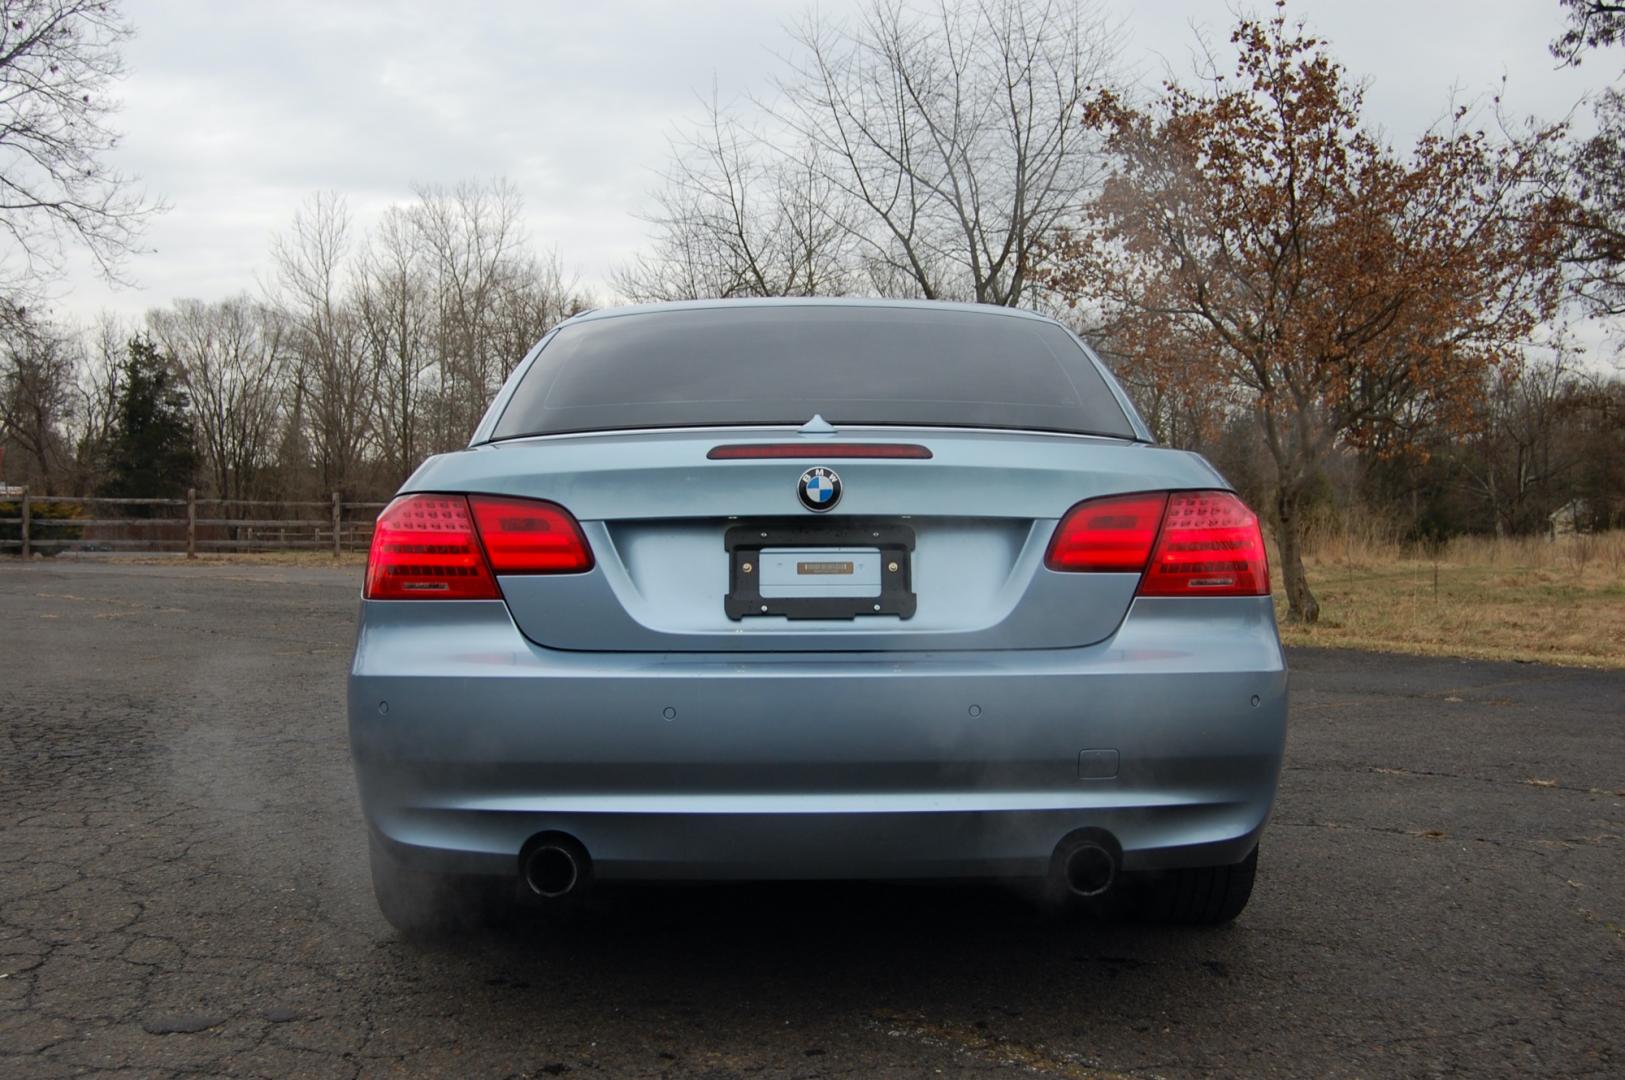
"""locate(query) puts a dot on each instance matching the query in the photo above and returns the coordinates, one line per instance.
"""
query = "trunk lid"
(950, 548)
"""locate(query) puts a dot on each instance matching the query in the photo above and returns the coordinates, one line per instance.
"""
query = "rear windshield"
(781, 365)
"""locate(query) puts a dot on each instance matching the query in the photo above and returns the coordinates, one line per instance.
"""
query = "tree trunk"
(1301, 605)
(1494, 492)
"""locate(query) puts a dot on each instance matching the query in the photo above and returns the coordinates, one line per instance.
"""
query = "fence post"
(338, 509)
(191, 523)
(26, 515)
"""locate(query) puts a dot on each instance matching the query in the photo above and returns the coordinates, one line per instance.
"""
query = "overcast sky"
(236, 112)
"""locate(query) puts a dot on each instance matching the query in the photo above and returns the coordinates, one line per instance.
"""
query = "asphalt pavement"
(183, 889)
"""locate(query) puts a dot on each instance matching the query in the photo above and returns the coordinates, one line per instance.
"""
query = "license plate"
(820, 570)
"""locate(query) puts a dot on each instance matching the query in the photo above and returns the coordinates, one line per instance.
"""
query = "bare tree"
(37, 362)
(491, 298)
(394, 304)
(1594, 178)
(96, 394)
(333, 380)
(470, 235)
(1591, 174)
(953, 129)
(532, 296)
(1518, 457)
(735, 217)
(232, 357)
(362, 359)
(58, 59)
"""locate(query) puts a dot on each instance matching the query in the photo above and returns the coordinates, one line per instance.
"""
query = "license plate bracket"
(745, 543)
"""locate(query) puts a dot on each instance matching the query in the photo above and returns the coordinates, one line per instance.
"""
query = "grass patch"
(1555, 602)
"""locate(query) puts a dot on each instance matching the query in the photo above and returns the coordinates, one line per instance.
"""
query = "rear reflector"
(446, 547)
(1210, 546)
(1112, 534)
(424, 548)
(528, 536)
(1188, 543)
(810, 451)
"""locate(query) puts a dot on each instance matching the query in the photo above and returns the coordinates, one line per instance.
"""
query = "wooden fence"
(52, 523)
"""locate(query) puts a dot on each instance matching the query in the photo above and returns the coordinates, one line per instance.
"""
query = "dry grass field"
(1554, 601)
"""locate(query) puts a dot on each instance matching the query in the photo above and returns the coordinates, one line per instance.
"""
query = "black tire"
(424, 904)
(1197, 895)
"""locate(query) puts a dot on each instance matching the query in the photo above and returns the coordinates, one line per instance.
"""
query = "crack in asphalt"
(1389, 770)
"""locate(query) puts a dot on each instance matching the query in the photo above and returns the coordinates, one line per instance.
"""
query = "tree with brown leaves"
(1593, 172)
(1592, 25)
(1257, 242)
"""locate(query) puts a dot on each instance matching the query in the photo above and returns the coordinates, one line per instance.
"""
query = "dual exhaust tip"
(555, 866)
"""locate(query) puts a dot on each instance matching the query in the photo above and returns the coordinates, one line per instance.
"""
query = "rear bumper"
(468, 739)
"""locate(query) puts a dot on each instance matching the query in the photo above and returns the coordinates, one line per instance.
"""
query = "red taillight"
(1188, 543)
(424, 548)
(527, 536)
(1112, 534)
(446, 547)
(814, 451)
(1210, 545)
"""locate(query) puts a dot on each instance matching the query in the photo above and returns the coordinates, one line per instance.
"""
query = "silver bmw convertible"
(809, 589)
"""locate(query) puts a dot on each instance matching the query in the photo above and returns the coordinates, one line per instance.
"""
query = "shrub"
(48, 520)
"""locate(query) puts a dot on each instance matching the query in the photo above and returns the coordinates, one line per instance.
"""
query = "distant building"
(1572, 517)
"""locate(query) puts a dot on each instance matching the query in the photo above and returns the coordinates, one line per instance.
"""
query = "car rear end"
(817, 590)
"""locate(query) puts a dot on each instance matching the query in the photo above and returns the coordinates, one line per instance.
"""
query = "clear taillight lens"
(451, 547)
(1187, 543)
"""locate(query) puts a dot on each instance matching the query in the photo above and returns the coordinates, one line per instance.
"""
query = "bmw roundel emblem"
(819, 488)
